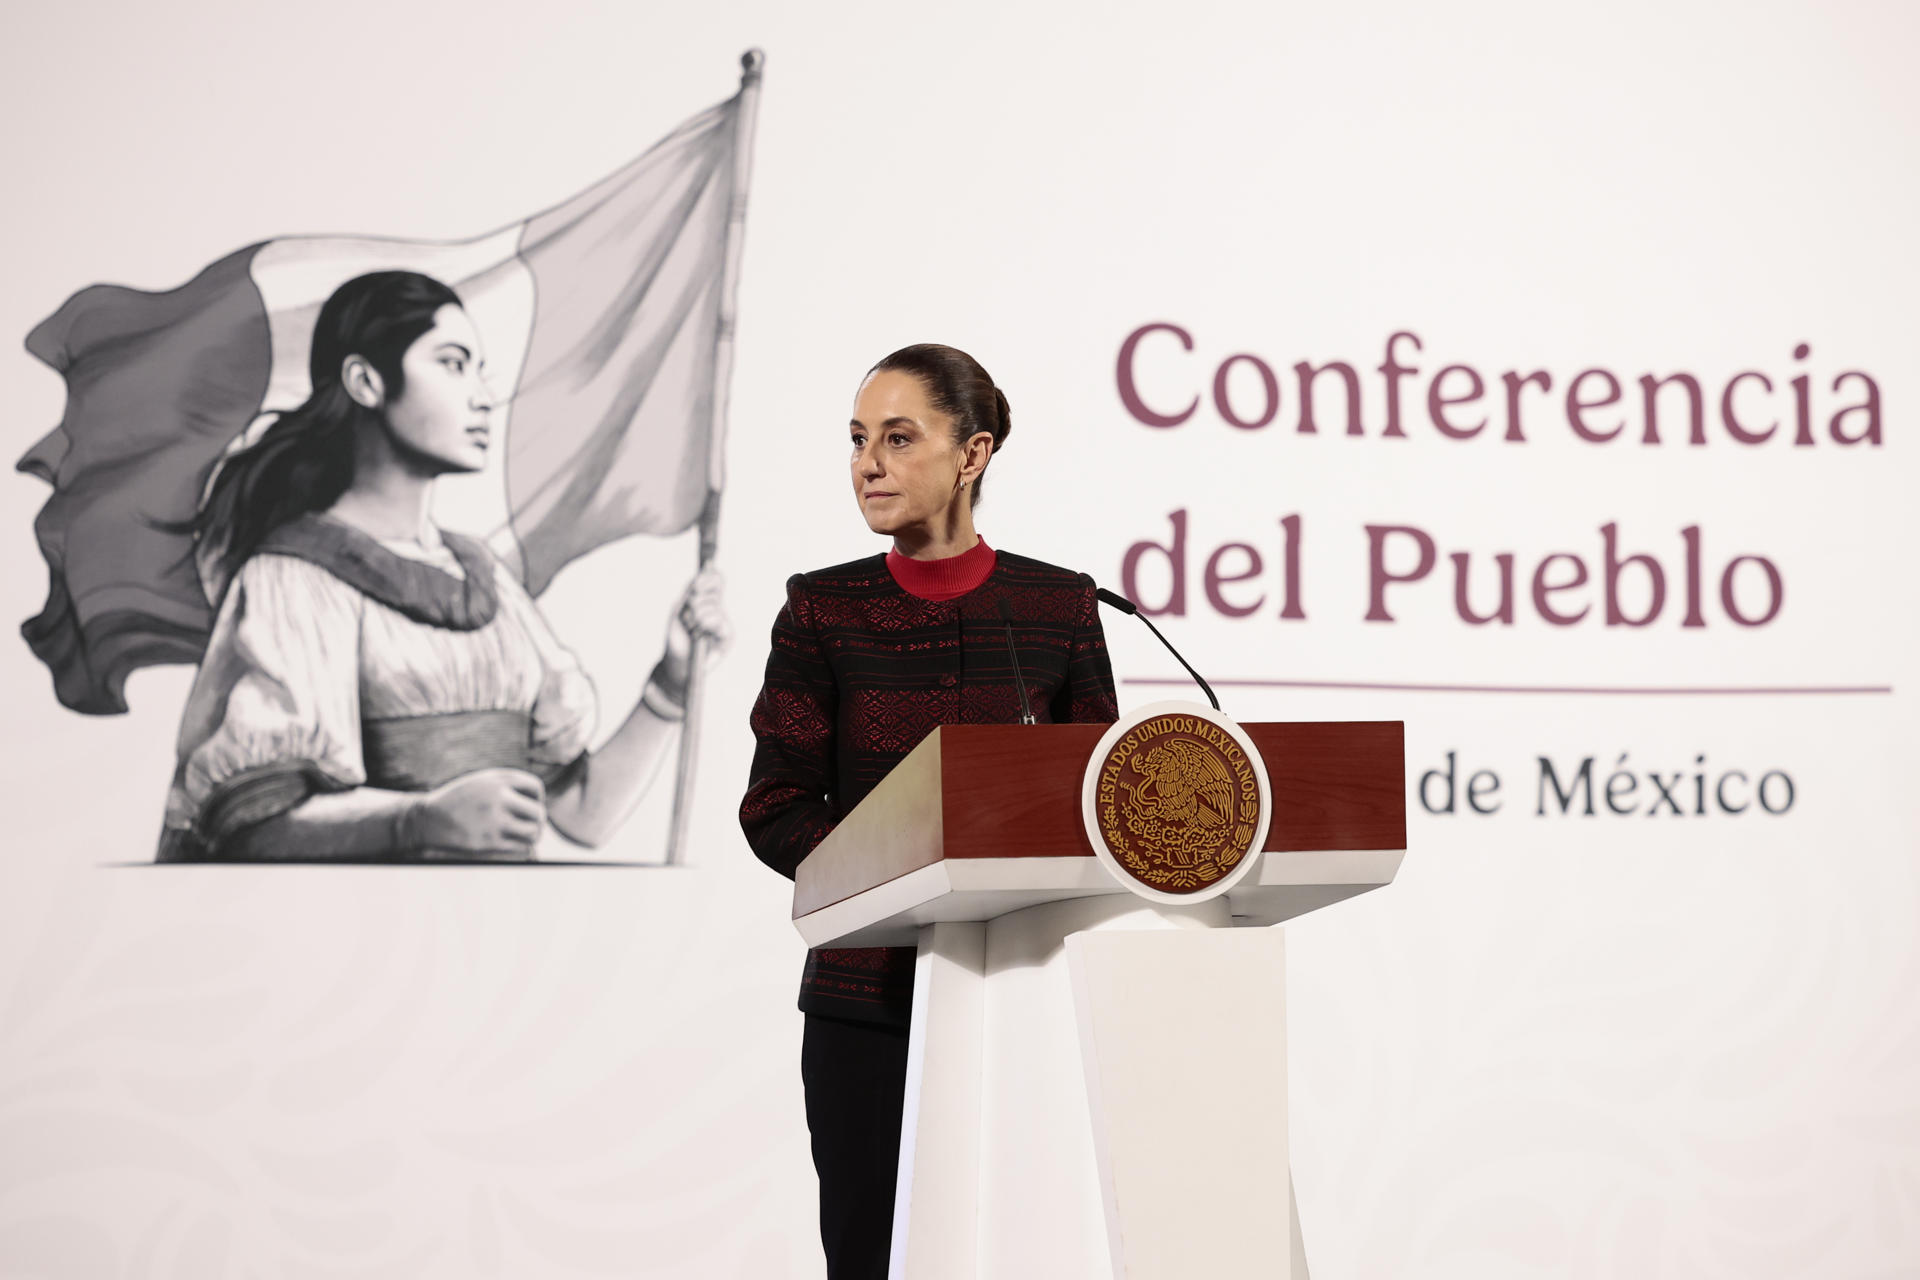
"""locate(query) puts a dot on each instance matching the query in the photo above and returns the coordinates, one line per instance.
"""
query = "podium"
(1096, 1082)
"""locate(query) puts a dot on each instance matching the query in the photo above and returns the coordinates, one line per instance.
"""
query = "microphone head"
(1004, 609)
(1117, 600)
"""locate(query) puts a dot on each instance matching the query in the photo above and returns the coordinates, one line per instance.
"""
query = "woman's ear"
(362, 382)
(974, 455)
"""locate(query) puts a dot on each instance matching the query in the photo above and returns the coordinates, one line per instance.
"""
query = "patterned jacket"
(859, 673)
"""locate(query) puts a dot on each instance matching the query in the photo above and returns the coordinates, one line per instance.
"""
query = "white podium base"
(1096, 1088)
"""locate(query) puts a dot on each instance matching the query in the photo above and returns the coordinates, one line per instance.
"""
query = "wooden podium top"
(1013, 791)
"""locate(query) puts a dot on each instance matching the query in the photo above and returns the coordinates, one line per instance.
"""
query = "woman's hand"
(604, 794)
(702, 613)
(491, 813)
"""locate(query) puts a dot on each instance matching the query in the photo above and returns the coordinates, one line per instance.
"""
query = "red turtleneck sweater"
(944, 579)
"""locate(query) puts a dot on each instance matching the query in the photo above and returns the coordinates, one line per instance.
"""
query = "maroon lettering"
(1577, 406)
(1306, 373)
(1504, 613)
(1542, 589)
(1268, 382)
(1129, 388)
(1696, 411)
(1514, 382)
(1612, 564)
(1802, 402)
(1870, 434)
(1176, 556)
(1216, 577)
(1776, 588)
(1691, 536)
(1438, 400)
(1378, 579)
(1731, 422)
(1392, 370)
(1292, 611)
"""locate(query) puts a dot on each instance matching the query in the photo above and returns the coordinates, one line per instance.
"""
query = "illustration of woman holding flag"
(374, 687)
(370, 687)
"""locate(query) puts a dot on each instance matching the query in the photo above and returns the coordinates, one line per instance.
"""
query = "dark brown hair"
(957, 386)
(304, 461)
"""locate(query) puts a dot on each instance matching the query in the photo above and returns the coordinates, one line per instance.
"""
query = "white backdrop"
(1559, 1045)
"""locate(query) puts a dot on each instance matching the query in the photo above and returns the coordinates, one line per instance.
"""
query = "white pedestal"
(1096, 1087)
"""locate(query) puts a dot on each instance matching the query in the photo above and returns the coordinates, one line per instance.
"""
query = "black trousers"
(855, 1075)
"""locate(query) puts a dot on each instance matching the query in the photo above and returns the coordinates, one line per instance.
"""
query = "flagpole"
(751, 63)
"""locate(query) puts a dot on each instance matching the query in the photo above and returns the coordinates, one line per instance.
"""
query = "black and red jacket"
(860, 672)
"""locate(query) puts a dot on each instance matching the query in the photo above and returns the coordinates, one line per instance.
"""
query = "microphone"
(1125, 605)
(1019, 681)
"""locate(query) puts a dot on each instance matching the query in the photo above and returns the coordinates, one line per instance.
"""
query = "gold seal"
(1177, 801)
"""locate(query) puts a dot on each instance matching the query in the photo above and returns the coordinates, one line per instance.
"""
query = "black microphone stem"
(1204, 686)
(1125, 605)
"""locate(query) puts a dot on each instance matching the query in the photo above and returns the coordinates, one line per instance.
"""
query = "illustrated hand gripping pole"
(1072, 891)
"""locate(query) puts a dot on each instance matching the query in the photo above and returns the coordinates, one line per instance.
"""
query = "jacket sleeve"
(1087, 695)
(788, 807)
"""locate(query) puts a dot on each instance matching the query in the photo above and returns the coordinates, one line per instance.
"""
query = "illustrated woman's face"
(907, 470)
(441, 415)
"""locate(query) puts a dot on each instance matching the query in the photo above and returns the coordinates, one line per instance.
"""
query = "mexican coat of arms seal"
(1176, 802)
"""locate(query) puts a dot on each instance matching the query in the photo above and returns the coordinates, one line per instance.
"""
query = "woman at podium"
(868, 658)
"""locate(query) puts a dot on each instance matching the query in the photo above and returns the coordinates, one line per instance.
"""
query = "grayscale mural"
(245, 479)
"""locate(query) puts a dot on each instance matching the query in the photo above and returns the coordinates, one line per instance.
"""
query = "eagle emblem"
(1176, 800)
(1184, 783)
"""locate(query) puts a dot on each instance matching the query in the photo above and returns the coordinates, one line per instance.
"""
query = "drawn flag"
(607, 322)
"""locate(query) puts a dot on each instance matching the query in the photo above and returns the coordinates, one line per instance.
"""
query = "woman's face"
(440, 417)
(907, 470)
